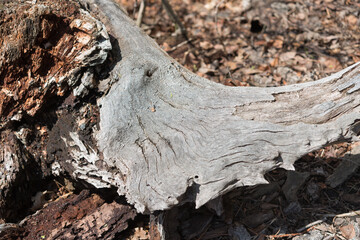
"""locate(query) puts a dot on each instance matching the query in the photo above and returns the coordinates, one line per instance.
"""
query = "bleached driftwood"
(173, 136)
(166, 136)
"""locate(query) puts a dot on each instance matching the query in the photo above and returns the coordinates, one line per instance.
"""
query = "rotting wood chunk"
(83, 216)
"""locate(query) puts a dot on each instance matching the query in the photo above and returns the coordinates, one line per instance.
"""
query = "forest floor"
(269, 43)
(262, 43)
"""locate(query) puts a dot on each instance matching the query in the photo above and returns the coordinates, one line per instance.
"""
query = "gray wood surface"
(167, 136)
(160, 134)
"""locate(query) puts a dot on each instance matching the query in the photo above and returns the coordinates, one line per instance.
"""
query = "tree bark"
(160, 134)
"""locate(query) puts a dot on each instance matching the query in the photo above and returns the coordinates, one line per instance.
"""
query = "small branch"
(311, 225)
(141, 13)
(349, 214)
(180, 45)
(216, 18)
(174, 17)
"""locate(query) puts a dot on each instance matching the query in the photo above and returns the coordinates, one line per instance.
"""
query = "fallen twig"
(141, 13)
(180, 45)
(349, 214)
(311, 225)
(216, 18)
(174, 17)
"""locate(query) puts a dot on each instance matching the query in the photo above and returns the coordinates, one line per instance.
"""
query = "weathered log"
(164, 136)
(177, 137)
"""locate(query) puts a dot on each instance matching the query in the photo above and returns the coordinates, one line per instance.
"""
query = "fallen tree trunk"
(174, 135)
(157, 132)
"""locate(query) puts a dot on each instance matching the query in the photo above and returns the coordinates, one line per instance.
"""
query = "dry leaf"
(330, 64)
(278, 43)
(231, 49)
(301, 16)
(284, 57)
(352, 20)
(259, 43)
(231, 65)
(218, 47)
(264, 67)
(166, 47)
(355, 58)
(348, 231)
(239, 58)
(274, 62)
(206, 45)
(251, 71)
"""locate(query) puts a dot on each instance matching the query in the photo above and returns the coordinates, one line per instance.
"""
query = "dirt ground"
(269, 43)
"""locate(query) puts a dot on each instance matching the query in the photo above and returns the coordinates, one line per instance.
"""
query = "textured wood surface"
(158, 133)
(173, 136)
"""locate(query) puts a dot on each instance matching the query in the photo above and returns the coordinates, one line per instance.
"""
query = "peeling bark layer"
(83, 216)
(48, 51)
(43, 48)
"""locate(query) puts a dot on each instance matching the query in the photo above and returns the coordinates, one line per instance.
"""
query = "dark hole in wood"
(256, 26)
(149, 73)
